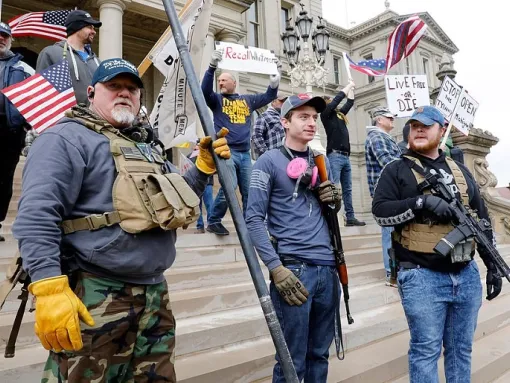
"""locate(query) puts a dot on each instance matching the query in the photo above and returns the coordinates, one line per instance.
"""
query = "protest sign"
(465, 113)
(448, 97)
(405, 93)
(243, 58)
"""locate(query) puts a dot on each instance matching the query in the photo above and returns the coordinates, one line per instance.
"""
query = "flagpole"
(0, 10)
(147, 62)
(224, 177)
(347, 66)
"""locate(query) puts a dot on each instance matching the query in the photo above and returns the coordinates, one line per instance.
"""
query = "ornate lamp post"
(308, 71)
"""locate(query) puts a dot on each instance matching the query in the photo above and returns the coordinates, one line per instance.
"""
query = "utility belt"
(347, 154)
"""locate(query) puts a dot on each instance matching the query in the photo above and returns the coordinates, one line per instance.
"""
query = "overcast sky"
(479, 29)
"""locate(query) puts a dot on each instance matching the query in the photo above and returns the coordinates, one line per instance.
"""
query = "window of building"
(253, 25)
(371, 79)
(284, 16)
(336, 71)
(425, 66)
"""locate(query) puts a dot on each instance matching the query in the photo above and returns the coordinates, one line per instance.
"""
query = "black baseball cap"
(5, 28)
(297, 100)
(111, 68)
(79, 19)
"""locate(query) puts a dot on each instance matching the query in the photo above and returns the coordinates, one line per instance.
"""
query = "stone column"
(110, 33)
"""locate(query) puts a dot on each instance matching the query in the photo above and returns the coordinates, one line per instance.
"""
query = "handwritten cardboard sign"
(465, 113)
(405, 93)
(243, 58)
(448, 97)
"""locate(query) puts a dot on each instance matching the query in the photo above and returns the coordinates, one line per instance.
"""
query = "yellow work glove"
(205, 161)
(289, 286)
(57, 314)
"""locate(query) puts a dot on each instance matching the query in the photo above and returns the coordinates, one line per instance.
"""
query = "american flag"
(48, 25)
(404, 39)
(371, 67)
(44, 97)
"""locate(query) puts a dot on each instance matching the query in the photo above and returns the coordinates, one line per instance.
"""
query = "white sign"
(242, 58)
(465, 113)
(405, 93)
(448, 97)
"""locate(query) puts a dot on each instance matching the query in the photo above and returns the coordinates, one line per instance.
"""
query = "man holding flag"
(233, 111)
(12, 124)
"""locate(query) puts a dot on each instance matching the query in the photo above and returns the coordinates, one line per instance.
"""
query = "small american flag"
(44, 97)
(371, 67)
(48, 25)
(404, 39)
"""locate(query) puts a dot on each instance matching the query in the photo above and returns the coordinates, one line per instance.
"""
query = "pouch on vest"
(422, 238)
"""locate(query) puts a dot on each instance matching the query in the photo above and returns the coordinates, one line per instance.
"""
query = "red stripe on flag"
(56, 114)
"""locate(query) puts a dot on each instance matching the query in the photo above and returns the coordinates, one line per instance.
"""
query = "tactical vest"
(143, 196)
(422, 238)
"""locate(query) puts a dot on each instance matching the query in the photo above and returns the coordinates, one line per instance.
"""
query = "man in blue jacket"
(12, 124)
(233, 111)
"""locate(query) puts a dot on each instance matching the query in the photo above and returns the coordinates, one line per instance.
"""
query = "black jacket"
(336, 129)
(395, 200)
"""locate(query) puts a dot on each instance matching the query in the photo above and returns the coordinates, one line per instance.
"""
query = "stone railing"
(476, 147)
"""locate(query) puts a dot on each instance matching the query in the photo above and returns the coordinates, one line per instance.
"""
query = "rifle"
(336, 238)
(467, 225)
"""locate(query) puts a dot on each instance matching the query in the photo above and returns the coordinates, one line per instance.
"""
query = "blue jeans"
(207, 200)
(441, 310)
(240, 166)
(308, 329)
(386, 245)
(341, 170)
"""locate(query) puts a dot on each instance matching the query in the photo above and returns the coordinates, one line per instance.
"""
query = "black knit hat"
(77, 20)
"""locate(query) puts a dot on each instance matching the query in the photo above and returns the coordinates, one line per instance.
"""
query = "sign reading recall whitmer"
(243, 58)
(465, 113)
(448, 97)
(405, 93)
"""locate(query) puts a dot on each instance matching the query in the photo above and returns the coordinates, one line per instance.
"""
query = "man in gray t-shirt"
(304, 284)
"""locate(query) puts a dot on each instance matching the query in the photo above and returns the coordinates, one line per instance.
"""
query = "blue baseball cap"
(5, 28)
(427, 115)
(111, 68)
(297, 100)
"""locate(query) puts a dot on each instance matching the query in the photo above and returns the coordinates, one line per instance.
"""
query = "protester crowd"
(95, 201)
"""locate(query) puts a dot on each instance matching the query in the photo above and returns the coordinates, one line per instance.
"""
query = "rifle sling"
(339, 338)
(11, 343)
(421, 171)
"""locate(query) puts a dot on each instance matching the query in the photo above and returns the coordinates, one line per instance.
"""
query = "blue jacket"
(14, 72)
(233, 111)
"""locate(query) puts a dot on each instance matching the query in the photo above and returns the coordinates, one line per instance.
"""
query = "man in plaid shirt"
(268, 132)
(380, 150)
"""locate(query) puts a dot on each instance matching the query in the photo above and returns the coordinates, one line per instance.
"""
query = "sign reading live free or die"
(405, 93)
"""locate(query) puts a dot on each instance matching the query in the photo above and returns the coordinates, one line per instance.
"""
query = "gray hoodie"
(69, 173)
(81, 71)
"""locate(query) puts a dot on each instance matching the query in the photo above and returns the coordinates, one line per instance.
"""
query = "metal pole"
(223, 175)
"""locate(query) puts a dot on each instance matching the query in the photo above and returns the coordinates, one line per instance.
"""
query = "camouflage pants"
(133, 339)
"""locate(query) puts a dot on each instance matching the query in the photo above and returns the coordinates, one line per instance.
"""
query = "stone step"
(505, 378)
(220, 358)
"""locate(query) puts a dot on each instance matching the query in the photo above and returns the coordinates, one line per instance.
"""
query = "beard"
(123, 116)
(425, 147)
